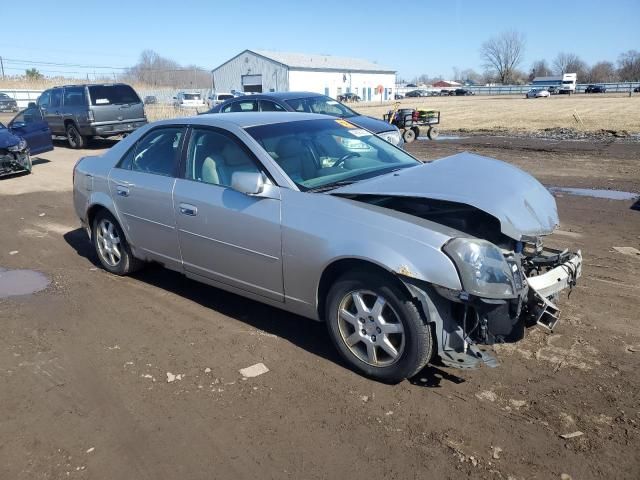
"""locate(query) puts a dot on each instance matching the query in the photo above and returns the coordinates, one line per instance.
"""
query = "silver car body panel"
(524, 207)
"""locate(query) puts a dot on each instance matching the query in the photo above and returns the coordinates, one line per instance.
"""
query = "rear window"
(191, 96)
(224, 97)
(112, 95)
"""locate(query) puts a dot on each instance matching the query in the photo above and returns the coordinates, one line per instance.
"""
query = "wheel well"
(340, 267)
(93, 211)
(67, 123)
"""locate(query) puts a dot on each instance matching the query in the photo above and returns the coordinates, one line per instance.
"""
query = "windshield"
(112, 94)
(321, 104)
(319, 154)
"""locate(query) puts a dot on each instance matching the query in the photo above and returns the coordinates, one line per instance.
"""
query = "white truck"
(565, 83)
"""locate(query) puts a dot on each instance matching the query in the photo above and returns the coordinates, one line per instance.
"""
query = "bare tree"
(602, 72)
(539, 68)
(569, 63)
(153, 69)
(629, 66)
(503, 54)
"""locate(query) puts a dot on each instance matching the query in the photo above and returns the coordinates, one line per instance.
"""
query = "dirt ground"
(84, 364)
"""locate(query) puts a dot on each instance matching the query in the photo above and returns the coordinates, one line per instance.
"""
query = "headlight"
(393, 137)
(483, 270)
(21, 145)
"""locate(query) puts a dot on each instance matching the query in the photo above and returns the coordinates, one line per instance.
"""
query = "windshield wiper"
(331, 186)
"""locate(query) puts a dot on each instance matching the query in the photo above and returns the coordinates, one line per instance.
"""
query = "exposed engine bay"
(537, 276)
(14, 161)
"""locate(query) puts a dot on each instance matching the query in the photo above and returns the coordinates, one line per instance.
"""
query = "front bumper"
(14, 162)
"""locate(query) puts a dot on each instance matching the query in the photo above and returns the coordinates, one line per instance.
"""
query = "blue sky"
(416, 37)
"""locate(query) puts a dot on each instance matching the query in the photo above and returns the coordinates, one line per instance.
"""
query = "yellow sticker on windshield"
(344, 123)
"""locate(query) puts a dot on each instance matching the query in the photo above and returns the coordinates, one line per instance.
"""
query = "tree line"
(503, 55)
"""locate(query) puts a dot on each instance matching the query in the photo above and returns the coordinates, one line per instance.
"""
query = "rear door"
(115, 104)
(31, 126)
(142, 185)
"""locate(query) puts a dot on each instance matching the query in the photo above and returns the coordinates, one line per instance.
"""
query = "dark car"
(398, 96)
(637, 89)
(81, 112)
(416, 93)
(27, 134)
(150, 100)
(7, 104)
(462, 92)
(310, 103)
(595, 89)
(349, 97)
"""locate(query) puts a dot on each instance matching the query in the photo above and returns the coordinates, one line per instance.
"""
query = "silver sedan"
(405, 261)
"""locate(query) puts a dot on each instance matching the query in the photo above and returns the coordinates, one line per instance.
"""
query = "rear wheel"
(111, 245)
(409, 135)
(377, 328)
(433, 133)
(75, 139)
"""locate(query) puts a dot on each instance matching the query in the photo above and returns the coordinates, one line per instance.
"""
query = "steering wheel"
(346, 157)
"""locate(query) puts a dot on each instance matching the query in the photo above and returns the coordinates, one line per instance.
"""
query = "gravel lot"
(138, 378)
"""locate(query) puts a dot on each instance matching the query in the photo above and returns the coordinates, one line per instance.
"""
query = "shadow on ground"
(305, 333)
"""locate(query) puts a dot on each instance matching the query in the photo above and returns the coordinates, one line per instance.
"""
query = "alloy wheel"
(108, 241)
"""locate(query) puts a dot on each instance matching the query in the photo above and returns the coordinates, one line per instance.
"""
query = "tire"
(372, 351)
(115, 256)
(433, 133)
(74, 138)
(409, 135)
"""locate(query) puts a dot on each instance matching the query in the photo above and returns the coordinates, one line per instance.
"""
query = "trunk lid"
(522, 205)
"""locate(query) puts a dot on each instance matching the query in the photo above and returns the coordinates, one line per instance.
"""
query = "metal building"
(264, 71)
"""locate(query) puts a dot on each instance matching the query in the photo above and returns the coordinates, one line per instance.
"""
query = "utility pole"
(2, 67)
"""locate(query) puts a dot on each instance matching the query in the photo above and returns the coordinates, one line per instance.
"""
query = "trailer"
(411, 122)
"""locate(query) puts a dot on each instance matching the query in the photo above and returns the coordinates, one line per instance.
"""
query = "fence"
(22, 96)
(621, 87)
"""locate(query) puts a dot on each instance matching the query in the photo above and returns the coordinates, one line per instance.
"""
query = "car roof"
(246, 119)
(281, 95)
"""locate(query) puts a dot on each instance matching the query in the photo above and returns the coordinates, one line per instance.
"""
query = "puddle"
(444, 137)
(596, 193)
(21, 282)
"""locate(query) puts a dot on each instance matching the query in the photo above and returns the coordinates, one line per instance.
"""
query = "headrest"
(233, 154)
(290, 147)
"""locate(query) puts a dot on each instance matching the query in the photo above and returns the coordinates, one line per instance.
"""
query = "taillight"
(90, 116)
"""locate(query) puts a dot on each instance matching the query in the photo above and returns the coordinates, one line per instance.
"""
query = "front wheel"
(433, 133)
(377, 328)
(409, 135)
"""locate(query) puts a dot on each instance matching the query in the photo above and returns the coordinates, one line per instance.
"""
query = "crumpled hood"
(524, 207)
(8, 139)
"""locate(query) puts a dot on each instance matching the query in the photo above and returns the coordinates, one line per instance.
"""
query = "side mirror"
(32, 105)
(250, 183)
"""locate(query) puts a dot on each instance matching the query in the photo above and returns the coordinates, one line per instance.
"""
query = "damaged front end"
(504, 292)
(15, 158)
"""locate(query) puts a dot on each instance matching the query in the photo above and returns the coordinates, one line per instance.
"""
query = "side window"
(30, 115)
(241, 106)
(44, 99)
(157, 152)
(213, 157)
(56, 98)
(269, 106)
(74, 97)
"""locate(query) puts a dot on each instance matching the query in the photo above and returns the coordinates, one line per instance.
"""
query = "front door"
(52, 112)
(142, 187)
(30, 125)
(226, 235)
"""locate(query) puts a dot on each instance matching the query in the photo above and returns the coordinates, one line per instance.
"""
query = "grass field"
(515, 113)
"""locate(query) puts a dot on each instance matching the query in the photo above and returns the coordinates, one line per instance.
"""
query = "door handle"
(122, 191)
(187, 209)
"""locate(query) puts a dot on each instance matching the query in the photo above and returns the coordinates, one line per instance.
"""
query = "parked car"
(217, 98)
(349, 97)
(27, 134)
(463, 92)
(310, 103)
(537, 93)
(189, 100)
(637, 89)
(595, 89)
(398, 96)
(405, 261)
(81, 112)
(416, 93)
(150, 100)
(553, 90)
(7, 104)
(411, 85)
(447, 93)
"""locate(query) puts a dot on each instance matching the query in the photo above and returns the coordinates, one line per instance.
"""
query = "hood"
(522, 205)
(370, 123)
(8, 139)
